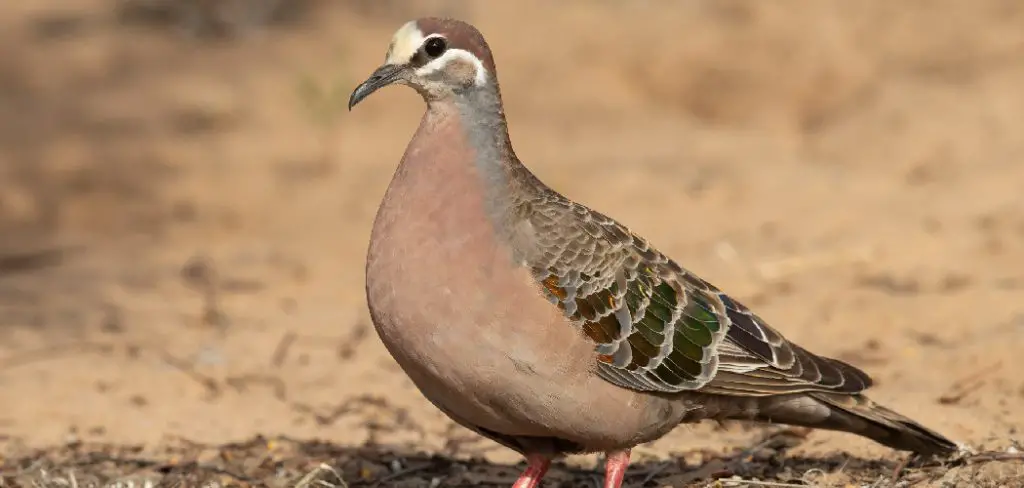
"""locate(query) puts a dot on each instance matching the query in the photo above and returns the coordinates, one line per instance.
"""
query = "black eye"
(435, 46)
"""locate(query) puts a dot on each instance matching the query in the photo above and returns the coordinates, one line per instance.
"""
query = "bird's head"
(440, 58)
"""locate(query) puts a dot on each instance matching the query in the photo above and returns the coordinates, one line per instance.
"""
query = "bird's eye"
(435, 46)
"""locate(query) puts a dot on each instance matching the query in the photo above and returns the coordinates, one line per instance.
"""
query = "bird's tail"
(859, 415)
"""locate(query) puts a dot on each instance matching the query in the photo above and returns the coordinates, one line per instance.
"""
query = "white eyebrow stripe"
(452, 54)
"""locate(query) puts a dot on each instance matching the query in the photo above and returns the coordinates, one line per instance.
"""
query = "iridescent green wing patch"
(652, 331)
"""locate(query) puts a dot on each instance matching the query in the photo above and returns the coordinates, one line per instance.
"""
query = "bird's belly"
(475, 371)
(485, 375)
(473, 331)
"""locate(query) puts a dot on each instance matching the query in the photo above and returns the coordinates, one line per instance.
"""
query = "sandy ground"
(185, 206)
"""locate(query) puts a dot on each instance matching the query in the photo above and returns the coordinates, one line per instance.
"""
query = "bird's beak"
(383, 76)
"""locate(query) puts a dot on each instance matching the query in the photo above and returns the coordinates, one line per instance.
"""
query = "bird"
(550, 327)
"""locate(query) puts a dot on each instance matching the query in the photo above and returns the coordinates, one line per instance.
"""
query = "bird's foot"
(536, 466)
(615, 465)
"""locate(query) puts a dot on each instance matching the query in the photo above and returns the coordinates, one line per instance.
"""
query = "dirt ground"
(185, 206)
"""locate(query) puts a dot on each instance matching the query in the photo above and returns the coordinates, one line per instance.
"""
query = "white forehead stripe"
(451, 55)
(404, 44)
(409, 38)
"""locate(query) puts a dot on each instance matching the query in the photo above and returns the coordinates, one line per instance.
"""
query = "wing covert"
(658, 327)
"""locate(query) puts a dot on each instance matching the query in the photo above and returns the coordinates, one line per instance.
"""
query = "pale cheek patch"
(452, 56)
(404, 44)
(461, 70)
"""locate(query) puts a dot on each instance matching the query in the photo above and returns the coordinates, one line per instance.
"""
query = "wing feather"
(656, 326)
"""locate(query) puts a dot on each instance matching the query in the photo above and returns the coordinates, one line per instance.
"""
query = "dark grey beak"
(384, 76)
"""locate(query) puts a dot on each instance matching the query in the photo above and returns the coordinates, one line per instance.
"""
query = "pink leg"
(536, 466)
(615, 468)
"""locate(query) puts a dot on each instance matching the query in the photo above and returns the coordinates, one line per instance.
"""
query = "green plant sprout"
(323, 103)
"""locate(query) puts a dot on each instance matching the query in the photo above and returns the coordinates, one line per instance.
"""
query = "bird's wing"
(658, 327)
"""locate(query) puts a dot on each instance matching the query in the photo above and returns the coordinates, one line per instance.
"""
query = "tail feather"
(856, 414)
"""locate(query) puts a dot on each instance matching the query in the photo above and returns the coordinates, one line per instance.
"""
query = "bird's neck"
(481, 119)
(477, 121)
(458, 173)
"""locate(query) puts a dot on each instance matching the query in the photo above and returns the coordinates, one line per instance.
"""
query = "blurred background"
(185, 202)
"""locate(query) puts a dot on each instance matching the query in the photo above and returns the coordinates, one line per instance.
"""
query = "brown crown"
(460, 35)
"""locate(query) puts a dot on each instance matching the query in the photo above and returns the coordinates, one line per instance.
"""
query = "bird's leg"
(615, 466)
(536, 466)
